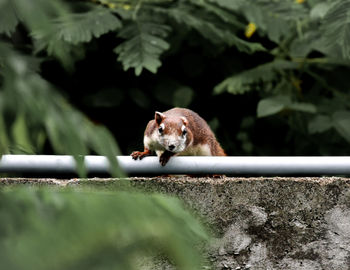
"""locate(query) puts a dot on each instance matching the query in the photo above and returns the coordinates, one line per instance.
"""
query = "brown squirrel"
(180, 132)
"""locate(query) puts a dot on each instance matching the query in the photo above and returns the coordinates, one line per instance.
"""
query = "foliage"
(262, 75)
(34, 111)
(312, 37)
(282, 64)
(143, 46)
(46, 229)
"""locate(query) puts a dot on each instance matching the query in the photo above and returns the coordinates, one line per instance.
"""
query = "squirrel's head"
(173, 132)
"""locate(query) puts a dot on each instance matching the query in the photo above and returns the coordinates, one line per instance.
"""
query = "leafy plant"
(287, 58)
(47, 229)
(307, 38)
(34, 109)
(143, 45)
(39, 112)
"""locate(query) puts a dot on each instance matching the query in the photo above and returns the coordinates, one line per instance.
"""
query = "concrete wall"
(260, 223)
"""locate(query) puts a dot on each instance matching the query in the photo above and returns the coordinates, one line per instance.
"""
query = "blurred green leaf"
(103, 143)
(230, 4)
(319, 124)
(20, 133)
(65, 52)
(44, 229)
(341, 122)
(274, 26)
(303, 107)
(336, 28)
(37, 15)
(4, 140)
(301, 47)
(183, 96)
(276, 104)
(320, 10)
(218, 7)
(69, 131)
(8, 18)
(252, 78)
(197, 19)
(275, 18)
(66, 135)
(273, 105)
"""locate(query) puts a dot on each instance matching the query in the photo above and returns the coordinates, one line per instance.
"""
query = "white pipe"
(42, 164)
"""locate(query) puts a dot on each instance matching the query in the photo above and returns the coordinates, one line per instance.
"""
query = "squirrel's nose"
(171, 147)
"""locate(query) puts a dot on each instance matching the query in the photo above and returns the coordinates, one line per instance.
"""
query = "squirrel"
(180, 132)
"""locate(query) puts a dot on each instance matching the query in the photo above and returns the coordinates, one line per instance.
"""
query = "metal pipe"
(51, 164)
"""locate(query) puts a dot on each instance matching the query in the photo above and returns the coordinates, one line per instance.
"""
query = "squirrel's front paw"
(164, 158)
(137, 155)
(140, 155)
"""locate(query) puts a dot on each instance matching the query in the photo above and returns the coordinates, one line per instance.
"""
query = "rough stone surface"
(258, 223)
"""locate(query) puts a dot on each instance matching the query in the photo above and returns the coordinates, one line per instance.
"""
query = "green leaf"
(191, 16)
(319, 124)
(68, 130)
(275, 18)
(103, 143)
(143, 46)
(284, 10)
(219, 8)
(210, 28)
(272, 105)
(336, 28)
(65, 52)
(341, 122)
(275, 27)
(4, 140)
(252, 78)
(183, 96)
(20, 134)
(66, 133)
(82, 27)
(303, 107)
(110, 230)
(38, 15)
(234, 5)
(245, 46)
(276, 104)
(8, 18)
(67, 31)
(320, 10)
(310, 41)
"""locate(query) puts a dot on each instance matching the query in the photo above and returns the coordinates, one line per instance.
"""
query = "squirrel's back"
(203, 141)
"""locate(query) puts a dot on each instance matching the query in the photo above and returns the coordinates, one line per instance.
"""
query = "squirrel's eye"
(184, 132)
(160, 130)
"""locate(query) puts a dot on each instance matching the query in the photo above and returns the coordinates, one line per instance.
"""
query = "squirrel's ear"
(184, 120)
(159, 117)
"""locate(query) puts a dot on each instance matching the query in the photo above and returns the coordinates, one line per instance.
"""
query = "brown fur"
(198, 128)
(198, 132)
